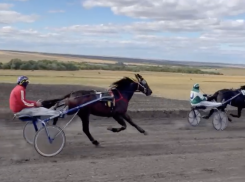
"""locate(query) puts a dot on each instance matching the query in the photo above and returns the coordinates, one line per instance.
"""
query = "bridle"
(142, 86)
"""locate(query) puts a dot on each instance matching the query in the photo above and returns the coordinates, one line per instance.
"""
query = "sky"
(182, 30)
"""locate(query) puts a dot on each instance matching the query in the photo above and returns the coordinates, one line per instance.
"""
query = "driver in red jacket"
(17, 100)
(19, 104)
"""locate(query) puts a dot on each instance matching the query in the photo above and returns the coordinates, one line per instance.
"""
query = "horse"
(225, 94)
(121, 92)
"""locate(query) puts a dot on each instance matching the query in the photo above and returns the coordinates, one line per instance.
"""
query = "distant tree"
(15, 64)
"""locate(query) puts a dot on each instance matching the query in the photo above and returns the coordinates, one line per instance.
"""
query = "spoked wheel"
(29, 131)
(194, 117)
(220, 121)
(48, 148)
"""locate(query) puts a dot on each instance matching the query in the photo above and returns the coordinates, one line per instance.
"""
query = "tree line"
(18, 64)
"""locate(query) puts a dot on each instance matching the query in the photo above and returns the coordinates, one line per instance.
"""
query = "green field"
(168, 85)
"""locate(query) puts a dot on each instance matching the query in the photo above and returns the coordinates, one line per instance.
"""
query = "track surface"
(172, 152)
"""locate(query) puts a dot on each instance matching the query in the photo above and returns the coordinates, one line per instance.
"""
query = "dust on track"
(173, 151)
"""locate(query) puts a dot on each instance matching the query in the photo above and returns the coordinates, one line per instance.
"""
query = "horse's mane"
(122, 83)
(234, 89)
(242, 87)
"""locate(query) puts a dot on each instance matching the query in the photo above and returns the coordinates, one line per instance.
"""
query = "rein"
(110, 91)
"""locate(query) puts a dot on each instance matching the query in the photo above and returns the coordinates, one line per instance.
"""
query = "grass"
(168, 85)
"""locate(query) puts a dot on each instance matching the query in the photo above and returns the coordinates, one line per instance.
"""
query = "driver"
(197, 98)
(19, 104)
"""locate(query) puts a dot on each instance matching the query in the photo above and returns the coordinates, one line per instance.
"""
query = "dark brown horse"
(226, 94)
(121, 93)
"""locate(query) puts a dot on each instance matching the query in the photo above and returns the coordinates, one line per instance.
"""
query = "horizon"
(178, 30)
(129, 60)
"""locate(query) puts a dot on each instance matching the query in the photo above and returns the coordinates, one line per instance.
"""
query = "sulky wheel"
(48, 148)
(29, 131)
(220, 121)
(194, 117)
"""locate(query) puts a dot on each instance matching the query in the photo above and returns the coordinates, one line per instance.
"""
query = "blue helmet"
(22, 80)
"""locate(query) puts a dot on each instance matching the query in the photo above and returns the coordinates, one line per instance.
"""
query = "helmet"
(22, 80)
(196, 86)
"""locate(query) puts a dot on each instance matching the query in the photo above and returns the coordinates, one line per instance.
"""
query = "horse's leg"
(55, 120)
(212, 111)
(209, 115)
(85, 120)
(130, 121)
(223, 109)
(239, 113)
(120, 121)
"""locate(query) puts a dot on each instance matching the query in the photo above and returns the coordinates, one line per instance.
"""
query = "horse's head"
(128, 85)
(143, 85)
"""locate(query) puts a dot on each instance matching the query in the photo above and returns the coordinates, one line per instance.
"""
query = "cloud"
(167, 29)
(209, 26)
(8, 16)
(202, 48)
(90, 29)
(36, 37)
(6, 33)
(171, 9)
(5, 6)
(203, 42)
(56, 11)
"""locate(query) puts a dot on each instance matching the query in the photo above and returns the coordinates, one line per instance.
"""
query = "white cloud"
(5, 6)
(142, 45)
(90, 29)
(174, 29)
(56, 11)
(6, 33)
(8, 16)
(210, 26)
(204, 42)
(171, 9)
(36, 37)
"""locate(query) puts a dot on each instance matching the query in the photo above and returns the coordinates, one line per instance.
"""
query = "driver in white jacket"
(197, 98)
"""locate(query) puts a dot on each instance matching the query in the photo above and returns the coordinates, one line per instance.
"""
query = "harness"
(139, 85)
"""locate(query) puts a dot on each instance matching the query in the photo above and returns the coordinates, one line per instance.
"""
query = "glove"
(39, 103)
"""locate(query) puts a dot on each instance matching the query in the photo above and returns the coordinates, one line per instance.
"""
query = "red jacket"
(17, 100)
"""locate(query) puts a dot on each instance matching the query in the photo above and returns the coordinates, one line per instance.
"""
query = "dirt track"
(173, 151)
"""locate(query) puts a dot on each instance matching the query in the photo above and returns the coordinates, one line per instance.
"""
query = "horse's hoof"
(145, 133)
(205, 117)
(96, 143)
(115, 130)
(109, 128)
